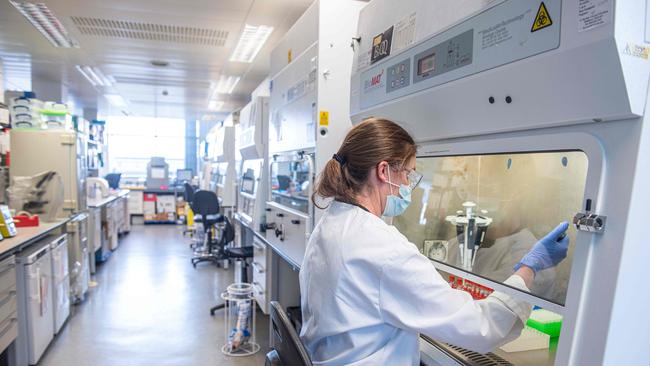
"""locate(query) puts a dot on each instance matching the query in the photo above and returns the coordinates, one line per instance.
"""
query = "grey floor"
(150, 307)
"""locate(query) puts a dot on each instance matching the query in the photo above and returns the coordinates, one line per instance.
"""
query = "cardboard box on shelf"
(165, 216)
(149, 208)
(165, 204)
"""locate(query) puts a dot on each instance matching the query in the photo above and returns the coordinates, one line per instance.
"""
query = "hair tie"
(339, 159)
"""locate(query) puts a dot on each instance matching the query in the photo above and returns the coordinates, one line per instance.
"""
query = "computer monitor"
(183, 175)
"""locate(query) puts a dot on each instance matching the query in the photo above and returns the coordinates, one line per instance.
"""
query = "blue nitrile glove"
(549, 251)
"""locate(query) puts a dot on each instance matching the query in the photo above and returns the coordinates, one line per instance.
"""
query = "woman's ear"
(382, 171)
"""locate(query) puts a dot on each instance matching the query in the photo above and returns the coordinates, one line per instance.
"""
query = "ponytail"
(332, 183)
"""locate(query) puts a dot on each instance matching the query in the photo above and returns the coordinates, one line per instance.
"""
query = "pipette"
(470, 230)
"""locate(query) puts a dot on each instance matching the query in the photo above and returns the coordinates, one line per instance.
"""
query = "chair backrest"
(205, 203)
(284, 182)
(188, 194)
(113, 180)
(286, 342)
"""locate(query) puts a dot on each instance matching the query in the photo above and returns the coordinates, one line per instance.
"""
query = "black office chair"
(284, 182)
(188, 193)
(113, 180)
(240, 254)
(206, 204)
(288, 349)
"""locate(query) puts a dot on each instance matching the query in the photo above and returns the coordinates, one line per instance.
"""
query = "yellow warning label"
(324, 118)
(632, 49)
(542, 19)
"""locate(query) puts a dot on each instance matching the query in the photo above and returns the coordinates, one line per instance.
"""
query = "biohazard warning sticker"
(542, 19)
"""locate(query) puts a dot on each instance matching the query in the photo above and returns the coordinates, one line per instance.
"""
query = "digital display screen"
(158, 173)
(427, 64)
(184, 175)
(248, 186)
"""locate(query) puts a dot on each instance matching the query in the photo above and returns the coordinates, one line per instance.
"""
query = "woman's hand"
(547, 252)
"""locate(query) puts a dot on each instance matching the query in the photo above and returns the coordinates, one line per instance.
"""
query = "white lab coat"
(367, 294)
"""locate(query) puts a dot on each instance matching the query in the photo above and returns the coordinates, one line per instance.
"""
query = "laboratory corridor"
(150, 307)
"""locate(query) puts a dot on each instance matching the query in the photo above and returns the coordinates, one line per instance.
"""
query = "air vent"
(475, 358)
(150, 31)
(467, 357)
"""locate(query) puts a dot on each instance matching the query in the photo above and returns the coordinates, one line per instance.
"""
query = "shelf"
(497, 286)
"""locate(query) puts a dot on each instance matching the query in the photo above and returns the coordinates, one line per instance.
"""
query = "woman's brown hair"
(367, 144)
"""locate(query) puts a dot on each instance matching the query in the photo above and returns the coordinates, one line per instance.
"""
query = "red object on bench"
(24, 220)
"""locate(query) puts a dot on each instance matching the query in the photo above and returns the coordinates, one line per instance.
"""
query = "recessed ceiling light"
(250, 43)
(44, 20)
(159, 63)
(225, 85)
(116, 100)
(94, 75)
(215, 105)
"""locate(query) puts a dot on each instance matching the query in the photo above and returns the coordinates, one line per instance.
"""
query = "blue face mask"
(395, 205)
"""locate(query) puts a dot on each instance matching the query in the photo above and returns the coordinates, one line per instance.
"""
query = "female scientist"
(367, 292)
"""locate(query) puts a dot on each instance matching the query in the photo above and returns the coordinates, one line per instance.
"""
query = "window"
(483, 213)
(132, 141)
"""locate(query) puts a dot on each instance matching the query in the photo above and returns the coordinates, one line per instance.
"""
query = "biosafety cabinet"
(253, 189)
(310, 70)
(526, 113)
(224, 169)
(253, 181)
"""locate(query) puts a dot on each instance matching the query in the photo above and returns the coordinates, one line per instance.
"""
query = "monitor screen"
(248, 186)
(184, 175)
(427, 64)
(158, 173)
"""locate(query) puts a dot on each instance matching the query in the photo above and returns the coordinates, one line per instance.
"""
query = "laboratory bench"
(100, 202)
(284, 253)
(29, 235)
(12, 281)
(272, 266)
(108, 219)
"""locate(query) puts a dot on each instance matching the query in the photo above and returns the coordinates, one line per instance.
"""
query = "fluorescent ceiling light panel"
(94, 75)
(215, 105)
(46, 22)
(116, 100)
(250, 43)
(226, 85)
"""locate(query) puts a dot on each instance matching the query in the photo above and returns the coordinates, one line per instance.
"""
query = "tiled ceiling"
(122, 38)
